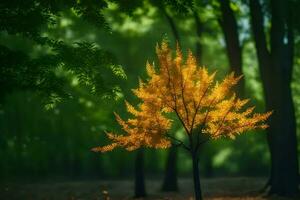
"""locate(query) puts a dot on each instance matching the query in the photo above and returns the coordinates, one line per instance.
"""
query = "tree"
(87, 62)
(276, 66)
(234, 50)
(184, 92)
(170, 181)
(199, 31)
(48, 65)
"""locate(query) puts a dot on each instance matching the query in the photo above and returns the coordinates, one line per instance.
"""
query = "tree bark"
(285, 176)
(234, 50)
(139, 184)
(264, 61)
(199, 31)
(170, 180)
(196, 178)
(171, 24)
(276, 70)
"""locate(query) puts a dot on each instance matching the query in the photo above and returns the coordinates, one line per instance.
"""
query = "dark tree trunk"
(276, 70)
(234, 50)
(264, 62)
(199, 32)
(170, 182)
(285, 169)
(139, 183)
(196, 178)
(171, 24)
(170, 179)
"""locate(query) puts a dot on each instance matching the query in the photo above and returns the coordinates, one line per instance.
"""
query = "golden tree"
(205, 108)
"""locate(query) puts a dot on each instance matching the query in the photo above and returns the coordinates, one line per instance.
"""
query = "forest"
(149, 99)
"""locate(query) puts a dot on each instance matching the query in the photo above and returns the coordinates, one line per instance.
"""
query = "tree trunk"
(199, 31)
(196, 178)
(264, 61)
(170, 182)
(170, 179)
(276, 70)
(234, 50)
(171, 24)
(139, 184)
(285, 171)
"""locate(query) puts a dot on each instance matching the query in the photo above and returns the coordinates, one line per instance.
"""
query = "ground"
(214, 189)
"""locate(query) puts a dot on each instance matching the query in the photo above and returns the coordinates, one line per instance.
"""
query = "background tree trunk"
(229, 27)
(199, 32)
(276, 70)
(284, 141)
(170, 178)
(139, 183)
(170, 182)
(264, 61)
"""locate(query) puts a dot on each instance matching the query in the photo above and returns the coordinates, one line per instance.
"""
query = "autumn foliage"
(203, 106)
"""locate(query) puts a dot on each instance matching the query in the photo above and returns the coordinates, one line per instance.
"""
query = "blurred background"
(66, 66)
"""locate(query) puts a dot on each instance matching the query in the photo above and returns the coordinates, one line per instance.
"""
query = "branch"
(183, 99)
(223, 120)
(203, 141)
(180, 143)
(237, 127)
(172, 87)
(180, 119)
(198, 106)
(204, 122)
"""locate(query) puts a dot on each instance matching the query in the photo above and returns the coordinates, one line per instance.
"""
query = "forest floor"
(213, 189)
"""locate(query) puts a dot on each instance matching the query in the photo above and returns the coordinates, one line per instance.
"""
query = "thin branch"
(204, 122)
(185, 128)
(204, 141)
(241, 126)
(175, 109)
(197, 107)
(180, 119)
(182, 94)
(180, 143)
(223, 120)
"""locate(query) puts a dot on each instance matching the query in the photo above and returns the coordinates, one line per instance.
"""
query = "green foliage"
(27, 18)
(88, 62)
(70, 55)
